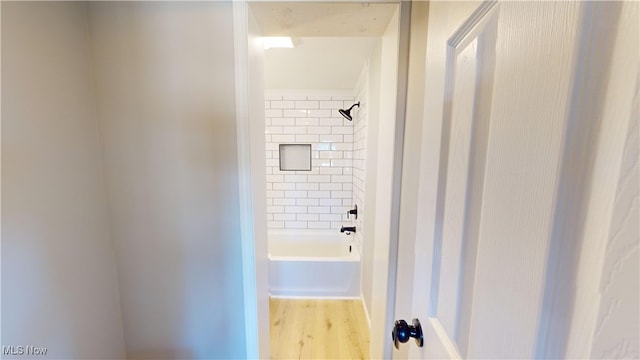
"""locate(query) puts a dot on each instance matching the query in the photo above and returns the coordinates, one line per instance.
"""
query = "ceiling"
(323, 18)
(318, 63)
(333, 41)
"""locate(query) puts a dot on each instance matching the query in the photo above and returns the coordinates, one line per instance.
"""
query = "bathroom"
(324, 90)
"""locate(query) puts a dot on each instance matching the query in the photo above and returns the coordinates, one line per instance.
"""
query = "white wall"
(165, 89)
(319, 198)
(255, 90)
(616, 331)
(371, 164)
(384, 174)
(59, 280)
(604, 323)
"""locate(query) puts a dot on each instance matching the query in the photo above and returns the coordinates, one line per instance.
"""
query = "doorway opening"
(335, 55)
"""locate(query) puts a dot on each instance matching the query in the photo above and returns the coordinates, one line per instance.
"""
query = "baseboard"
(366, 311)
(301, 297)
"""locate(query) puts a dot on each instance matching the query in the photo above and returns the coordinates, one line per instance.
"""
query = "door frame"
(402, 79)
(251, 176)
(251, 173)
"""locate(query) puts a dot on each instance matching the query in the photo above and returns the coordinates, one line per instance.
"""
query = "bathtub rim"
(333, 233)
(305, 297)
(311, 235)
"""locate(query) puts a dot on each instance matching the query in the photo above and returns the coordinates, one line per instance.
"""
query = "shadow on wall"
(150, 115)
(170, 146)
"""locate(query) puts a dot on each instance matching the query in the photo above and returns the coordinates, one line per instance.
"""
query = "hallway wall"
(165, 88)
(59, 280)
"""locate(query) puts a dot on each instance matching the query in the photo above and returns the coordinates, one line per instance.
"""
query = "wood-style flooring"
(318, 329)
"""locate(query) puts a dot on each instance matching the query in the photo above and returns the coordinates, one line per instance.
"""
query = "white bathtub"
(313, 264)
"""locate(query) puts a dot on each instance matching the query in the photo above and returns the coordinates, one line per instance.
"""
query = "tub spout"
(348, 229)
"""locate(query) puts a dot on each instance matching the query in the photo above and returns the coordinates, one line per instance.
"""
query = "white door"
(513, 132)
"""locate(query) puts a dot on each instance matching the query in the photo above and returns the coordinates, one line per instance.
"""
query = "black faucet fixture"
(353, 211)
(348, 229)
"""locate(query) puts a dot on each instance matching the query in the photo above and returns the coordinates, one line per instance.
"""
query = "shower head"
(347, 113)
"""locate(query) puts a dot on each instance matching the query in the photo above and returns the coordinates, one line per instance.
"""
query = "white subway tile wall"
(360, 152)
(320, 198)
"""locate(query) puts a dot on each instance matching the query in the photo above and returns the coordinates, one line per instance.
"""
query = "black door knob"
(403, 331)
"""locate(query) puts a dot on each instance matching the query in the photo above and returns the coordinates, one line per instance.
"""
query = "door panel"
(468, 86)
(457, 181)
(535, 66)
(505, 96)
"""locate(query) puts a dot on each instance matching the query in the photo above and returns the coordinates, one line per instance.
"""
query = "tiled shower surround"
(360, 123)
(320, 198)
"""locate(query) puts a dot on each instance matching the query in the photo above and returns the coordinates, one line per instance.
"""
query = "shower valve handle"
(353, 211)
